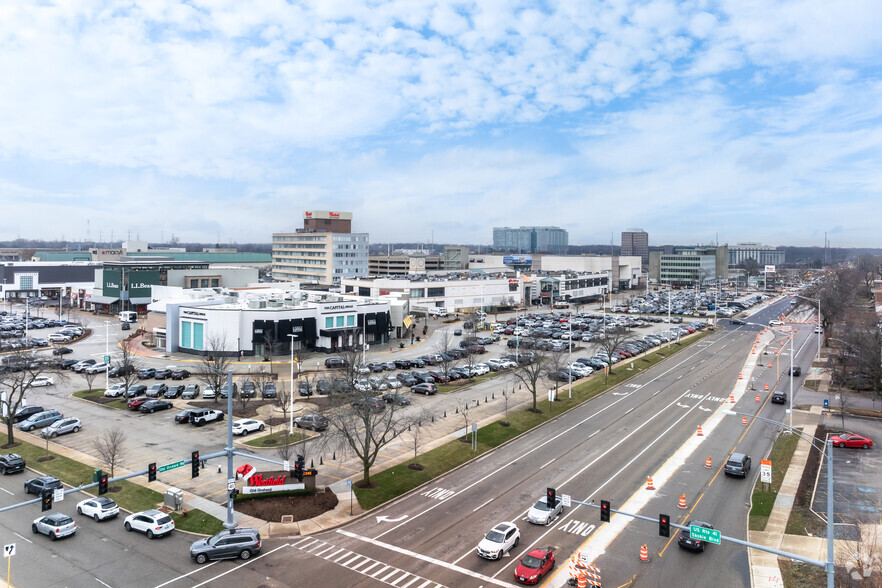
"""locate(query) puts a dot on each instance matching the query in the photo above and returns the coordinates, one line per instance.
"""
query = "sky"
(434, 121)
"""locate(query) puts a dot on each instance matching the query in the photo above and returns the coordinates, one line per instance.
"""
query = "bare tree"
(530, 372)
(213, 366)
(90, 378)
(611, 340)
(554, 365)
(506, 403)
(285, 449)
(283, 400)
(859, 563)
(270, 345)
(470, 359)
(443, 347)
(19, 370)
(464, 408)
(111, 448)
(364, 425)
(416, 432)
(128, 363)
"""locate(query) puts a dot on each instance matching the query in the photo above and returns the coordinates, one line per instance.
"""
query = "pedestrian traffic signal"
(664, 525)
(102, 484)
(550, 495)
(604, 511)
(233, 494)
(46, 500)
(194, 464)
(151, 472)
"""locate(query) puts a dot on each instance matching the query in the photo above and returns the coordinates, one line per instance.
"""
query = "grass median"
(97, 396)
(400, 479)
(130, 496)
(764, 495)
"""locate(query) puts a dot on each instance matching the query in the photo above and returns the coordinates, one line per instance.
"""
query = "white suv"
(115, 391)
(501, 539)
(152, 523)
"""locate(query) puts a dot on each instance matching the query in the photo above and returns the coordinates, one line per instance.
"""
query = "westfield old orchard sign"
(259, 483)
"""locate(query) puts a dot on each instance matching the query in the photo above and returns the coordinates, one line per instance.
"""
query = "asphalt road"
(602, 450)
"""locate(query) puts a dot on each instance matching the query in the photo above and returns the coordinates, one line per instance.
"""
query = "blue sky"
(744, 120)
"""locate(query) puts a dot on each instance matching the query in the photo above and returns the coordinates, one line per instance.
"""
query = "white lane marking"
(443, 564)
(181, 577)
(235, 569)
(546, 442)
(10, 493)
(23, 537)
(548, 463)
(483, 505)
(103, 583)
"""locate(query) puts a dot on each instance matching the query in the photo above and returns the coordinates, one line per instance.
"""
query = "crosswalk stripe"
(380, 571)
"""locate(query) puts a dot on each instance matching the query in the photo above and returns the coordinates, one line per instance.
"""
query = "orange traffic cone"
(767, 387)
(732, 398)
(649, 485)
(582, 581)
(776, 351)
(743, 420)
(770, 363)
(644, 553)
(707, 462)
(699, 433)
(753, 350)
(740, 376)
(682, 503)
(757, 397)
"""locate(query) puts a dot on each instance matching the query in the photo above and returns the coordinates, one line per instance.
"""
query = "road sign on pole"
(58, 495)
(171, 466)
(704, 534)
(9, 550)
(231, 484)
(106, 359)
(566, 500)
(766, 471)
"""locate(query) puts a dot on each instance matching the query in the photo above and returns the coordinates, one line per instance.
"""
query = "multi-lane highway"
(602, 450)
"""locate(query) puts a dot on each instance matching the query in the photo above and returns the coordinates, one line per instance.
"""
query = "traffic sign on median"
(171, 466)
(566, 500)
(704, 534)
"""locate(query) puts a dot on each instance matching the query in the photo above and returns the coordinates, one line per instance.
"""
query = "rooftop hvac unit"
(254, 304)
(274, 303)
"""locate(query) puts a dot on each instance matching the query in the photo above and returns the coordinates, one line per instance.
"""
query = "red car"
(851, 440)
(135, 403)
(534, 565)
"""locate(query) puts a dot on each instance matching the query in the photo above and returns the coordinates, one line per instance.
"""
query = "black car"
(136, 390)
(11, 463)
(335, 363)
(315, 422)
(37, 485)
(407, 379)
(154, 405)
(174, 391)
(180, 374)
(145, 373)
(687, 542)
(118, 371)
(269, 390)
(779, 397)
(66, 364)
(796, 370)
(305, 388)
(373, 404)
(26, 411)
(424, 377)
(249, 390)
(184, 416)
(62, 351)
(396, 398)
(402, 364)
(736, 322)
(162, 374)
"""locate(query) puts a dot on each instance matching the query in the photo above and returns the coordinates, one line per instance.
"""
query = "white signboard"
(770, 269)
(286, 465)
(265, 489)
(566, 500)
(766, 471)
(231, 484)
(9, 550)
(58, 495)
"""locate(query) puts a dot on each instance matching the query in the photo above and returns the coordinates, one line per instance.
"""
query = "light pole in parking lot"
(291, 394)
(570, 359)
(107, 354)
(829, 564)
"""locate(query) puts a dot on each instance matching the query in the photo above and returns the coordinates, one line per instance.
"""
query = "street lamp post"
(570, 360)
(291, 393)
(107, 353)
(829, 567)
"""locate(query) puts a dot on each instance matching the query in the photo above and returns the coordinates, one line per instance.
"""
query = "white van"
(128, 316)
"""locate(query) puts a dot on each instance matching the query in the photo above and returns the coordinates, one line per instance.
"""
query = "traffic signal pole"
(231, 521)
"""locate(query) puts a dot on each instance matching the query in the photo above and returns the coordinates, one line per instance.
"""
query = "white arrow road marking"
(385, 519)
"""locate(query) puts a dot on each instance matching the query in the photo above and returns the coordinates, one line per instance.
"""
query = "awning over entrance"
(102, 300)
(142, 300)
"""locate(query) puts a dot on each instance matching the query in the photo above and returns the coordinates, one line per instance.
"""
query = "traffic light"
(233, 494)
(298, 471)
(301, 461)
(604, 511)
(102, 484)
(664, 525)
(194, 464)
(151, 472)
(46, 500)
(550, 495)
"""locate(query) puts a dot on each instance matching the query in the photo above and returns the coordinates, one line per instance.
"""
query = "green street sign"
(106, 359)
(180, 464)
(704, 534)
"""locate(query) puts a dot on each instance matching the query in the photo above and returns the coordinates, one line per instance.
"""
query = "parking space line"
(8, 492)
(23, 537)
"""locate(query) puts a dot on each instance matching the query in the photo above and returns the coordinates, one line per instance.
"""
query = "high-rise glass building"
(530, 240)
(636, 242)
